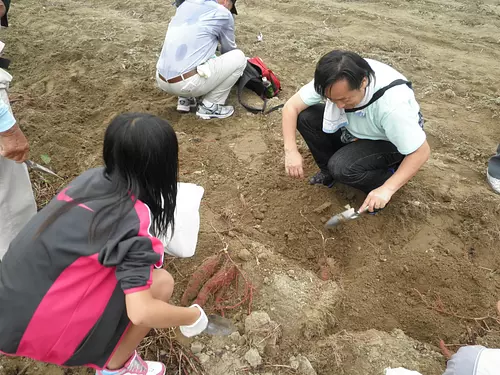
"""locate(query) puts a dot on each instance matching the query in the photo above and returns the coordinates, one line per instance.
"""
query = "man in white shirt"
(368, 134)
(188, 67)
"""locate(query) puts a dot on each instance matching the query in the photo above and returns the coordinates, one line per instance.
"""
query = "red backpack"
(261, 80)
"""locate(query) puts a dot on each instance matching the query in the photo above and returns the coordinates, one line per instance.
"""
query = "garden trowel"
(346, 215)
(219, 326)
(38, 167)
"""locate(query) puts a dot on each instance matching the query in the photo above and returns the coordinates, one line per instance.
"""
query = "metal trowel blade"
(346, 215)
(219, 326)
(31, 164)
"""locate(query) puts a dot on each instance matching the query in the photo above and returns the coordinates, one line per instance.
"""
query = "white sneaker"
(184, 105)
(494, 183)
(214, 111)
(136, 366)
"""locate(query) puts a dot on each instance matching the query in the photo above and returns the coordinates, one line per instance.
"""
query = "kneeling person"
(362, 123)
(188, 67)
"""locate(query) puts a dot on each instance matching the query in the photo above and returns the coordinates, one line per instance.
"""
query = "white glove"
(204, 70)
(197, 327)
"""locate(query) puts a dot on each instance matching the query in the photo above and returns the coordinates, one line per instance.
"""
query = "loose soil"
(426, 266)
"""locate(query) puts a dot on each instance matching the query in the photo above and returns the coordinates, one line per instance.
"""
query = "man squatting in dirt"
(17, 203)
(357, 137)
(188, 66)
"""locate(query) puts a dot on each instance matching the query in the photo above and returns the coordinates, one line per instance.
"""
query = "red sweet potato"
(222, 278)
(199, 277)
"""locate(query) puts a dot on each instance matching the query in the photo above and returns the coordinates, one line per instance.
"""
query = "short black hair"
(338, 65)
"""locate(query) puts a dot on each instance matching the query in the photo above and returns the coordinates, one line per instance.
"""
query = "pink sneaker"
(136, 366)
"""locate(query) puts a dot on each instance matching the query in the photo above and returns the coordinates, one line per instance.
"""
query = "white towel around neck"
(335, 118)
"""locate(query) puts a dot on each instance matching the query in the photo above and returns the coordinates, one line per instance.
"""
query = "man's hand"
(377, 199)
(293, 164)
(14, 145)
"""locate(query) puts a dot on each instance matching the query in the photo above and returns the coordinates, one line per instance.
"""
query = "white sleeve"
(309, 95)
(402, 128)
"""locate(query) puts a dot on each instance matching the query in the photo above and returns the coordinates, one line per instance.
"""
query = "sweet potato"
(222, 278)
(200, 277)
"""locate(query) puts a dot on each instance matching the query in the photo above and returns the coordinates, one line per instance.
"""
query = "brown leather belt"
(182, 77)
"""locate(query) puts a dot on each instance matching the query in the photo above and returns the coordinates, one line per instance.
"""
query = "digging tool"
(38, 167)
(219, 326)
(347, 215)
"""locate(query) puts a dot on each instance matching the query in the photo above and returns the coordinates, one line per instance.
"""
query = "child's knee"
(163, 285)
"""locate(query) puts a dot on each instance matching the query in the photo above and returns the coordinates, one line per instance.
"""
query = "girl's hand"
(198, 326)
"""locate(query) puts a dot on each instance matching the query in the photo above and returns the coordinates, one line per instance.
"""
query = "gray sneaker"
(184, 105)
(493, 171)
(214, 111)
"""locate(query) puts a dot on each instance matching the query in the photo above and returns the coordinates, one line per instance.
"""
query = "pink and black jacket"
(62, 299)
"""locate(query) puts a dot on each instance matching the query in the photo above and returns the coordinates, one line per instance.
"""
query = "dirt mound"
(370, 352)
(428, 264)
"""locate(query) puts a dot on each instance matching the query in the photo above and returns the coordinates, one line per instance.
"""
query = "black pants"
(363, 164)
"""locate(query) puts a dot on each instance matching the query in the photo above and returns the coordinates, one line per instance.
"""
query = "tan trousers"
(225, 70)
(17, 203)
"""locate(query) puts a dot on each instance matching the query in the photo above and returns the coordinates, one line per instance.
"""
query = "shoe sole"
(206, 116)
(329, 186)
(185, 108)
(493, 182)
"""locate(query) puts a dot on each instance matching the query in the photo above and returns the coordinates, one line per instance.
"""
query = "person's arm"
(226, 35)
(144, 310)
(403, 130)
(13, 143)
(409, 167)
(134, 259)
(304, 98)
(293, 159)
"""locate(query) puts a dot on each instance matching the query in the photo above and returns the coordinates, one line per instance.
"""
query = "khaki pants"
(225, 70)
(17, 203)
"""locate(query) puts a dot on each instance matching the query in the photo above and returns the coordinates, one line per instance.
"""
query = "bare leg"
(162, 288)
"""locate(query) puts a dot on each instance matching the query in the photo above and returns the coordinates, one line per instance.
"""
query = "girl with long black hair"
(78, 285)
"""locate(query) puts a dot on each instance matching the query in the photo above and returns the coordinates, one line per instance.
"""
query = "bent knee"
(302, 119)
(163, 285)
(339, 170)
(240, 59)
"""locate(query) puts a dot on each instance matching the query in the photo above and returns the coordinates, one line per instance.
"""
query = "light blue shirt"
(192, 36)
(394, 117)
(7, 120)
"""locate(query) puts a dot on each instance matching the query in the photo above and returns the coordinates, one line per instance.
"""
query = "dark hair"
(338, 65)
(140, 155)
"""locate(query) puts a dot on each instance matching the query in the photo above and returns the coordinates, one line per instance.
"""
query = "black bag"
(252, 78)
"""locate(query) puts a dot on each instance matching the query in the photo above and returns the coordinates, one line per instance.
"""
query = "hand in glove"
(197, 327)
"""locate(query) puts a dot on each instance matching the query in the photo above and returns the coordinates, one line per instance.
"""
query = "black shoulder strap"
(380, 92)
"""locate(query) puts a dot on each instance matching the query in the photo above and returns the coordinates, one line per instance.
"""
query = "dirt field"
(426, 266)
